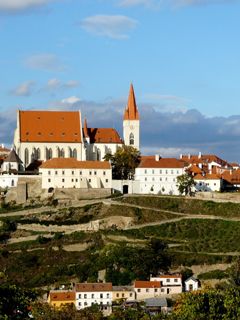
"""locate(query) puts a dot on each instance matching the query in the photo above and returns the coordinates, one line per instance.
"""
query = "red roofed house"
(147, 289)
(170, 283)
(43, 135)
(59, 298)
(159, 175)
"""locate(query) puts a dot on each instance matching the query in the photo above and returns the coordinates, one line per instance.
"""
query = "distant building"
(170, 283)
(147, 289)
(59, 298)
(124, 293)
(191, 284)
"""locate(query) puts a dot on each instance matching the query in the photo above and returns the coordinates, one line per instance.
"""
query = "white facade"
(208, 184)
(131, 133)
(8, 180)
(76, 178)
(170, 284)
(191, 284)
(158, 178)
(146, 290)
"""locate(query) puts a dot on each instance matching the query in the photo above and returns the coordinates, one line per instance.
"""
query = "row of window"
(36, 154)
(76, 180)
(148, 290)
(74, 173)
(160, 179)
(93, 296)
(155, 171)
(85, 304)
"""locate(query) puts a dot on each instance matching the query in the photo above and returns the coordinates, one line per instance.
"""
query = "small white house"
(159, 175)
(191, 284)
(89, 294)
(147, 289)
(71, 173)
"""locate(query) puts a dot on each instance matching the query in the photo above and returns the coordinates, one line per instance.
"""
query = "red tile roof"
(72, 163)
(102, 135)
(50, 126)
(232, 177)
(93, 287)
(204, 158)
(208, 176)
(150, 162)
(131, 111)
(62, 295)
(147, 284)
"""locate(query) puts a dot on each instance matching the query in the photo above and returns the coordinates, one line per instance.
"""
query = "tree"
(185, 183)
(124, 162)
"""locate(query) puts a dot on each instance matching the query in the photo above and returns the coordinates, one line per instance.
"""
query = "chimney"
(199, 155)
(231, 172)
(181, 156)
(157, 157)
(189, 156)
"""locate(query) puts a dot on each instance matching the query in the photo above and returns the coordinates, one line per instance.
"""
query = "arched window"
(34, 154)
(12, 183)
(131, 139)
(70, 152)
(98, 154)
(48, 153)
(38, 154)
(75, 153)
(58, 152)
(62, 153)
(26, 156)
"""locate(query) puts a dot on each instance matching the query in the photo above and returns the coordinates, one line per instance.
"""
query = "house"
(58, 298)
(125, 293)
(170, 284)
(43, 135)
(146, 289)
(72, 173)
(191, 284)
(88, 294)
(208, 182)
(12, 163)
(158, 175)
(156, 305)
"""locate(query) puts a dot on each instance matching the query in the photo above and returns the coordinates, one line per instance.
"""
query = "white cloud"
(21, 5)
(45, 61)
(70, 100)
(24, 89)
(111, 26)
(55, 84)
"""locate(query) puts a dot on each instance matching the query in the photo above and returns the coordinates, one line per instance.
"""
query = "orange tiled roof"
(150, 162)
(208, 176)
(4, 150)
(50, 126)
(232, 176)
(103, 135)
(62, 295)
(131, 111)
(93, 287)
(234, 164)
(72, 163)
(204, 158)
(147, 284)
(195, 169)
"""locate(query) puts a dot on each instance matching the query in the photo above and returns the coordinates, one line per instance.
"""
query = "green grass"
(188, 206)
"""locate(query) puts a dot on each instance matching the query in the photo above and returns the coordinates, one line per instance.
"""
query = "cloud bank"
(17, 6)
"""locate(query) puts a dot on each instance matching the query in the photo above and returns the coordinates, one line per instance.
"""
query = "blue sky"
(181, 55)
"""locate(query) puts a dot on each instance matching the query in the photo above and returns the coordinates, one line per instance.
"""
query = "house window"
(171, 171)
(89, 180)
(117, 295)
(106, 180)
(160, 171)
(166, 172)
(63, 172)
(72, 180)
(152, 171)
(122, 295)
(92, 296)
(104, 173)
(160, 179)
(108, 295)
(85, 303)
(49, 172)
(177, 172)
(175, 280)
(49, 180)
(153, 179)
(63, 180)
(79, 296)
(72, 172)
(168, 280)
(79, 303)
(138, 290)
(166, 179)
(145, 171)
(80, 173)
(85, 296)
(130, 294)
(101, 296)
(76, 180)
(145, 179)
(95, 173)
(90, 173)
(155, 290)
(56, 172)
(162, 290)
(147, 290)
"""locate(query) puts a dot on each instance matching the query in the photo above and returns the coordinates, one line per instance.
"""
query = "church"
(43, 135)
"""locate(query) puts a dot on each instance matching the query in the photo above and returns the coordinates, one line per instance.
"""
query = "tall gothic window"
(48, 153)
(131, 139)
(62, 153)
(58, 152)
(26, 156)
(74, 153)
(70, 152)
(38, 154)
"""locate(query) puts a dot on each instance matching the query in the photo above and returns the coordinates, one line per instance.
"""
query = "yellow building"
(60, 298)
(123, 293)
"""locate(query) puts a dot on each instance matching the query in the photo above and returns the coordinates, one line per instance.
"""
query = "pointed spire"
(85, 128)
(131, 111)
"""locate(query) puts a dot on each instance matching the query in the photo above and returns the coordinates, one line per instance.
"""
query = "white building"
(88, 294)
(159, 175)
(170, 284)
(71, 173)
(191, 284)
(208, 182)
(147, 289)
(43, 135)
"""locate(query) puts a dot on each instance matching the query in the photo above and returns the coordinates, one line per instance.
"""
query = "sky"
(182, 56)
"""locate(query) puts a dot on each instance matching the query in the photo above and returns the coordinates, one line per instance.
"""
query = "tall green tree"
(185, 184)
(124, 162)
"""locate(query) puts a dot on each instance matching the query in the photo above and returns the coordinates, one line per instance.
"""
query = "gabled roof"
(131, 111)
(204, 158)
(156, 302)
(146, 284)
(62, 295)
(93, 287)
(232, 176)
(50, 126)
(150, 162)
(191, 278)
(13, 157)
(102, 135)
(72, 163)
(208, 176)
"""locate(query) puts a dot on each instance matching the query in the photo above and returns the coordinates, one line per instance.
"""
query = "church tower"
(131, 123)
